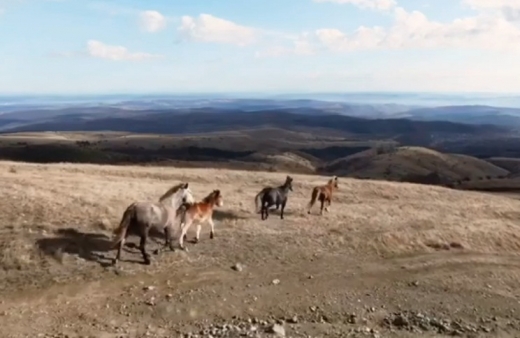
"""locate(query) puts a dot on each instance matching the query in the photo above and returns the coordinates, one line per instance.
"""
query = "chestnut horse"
(200, 212)
(324, 194)
(140, 217)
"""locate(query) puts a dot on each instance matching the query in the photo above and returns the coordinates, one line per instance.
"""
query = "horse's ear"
(217, 192)
(185, 186)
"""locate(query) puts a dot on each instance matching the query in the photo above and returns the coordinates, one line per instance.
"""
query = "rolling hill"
(413, 164)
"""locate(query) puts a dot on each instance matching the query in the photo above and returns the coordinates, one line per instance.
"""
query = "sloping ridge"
(413, 164)
(283, 161)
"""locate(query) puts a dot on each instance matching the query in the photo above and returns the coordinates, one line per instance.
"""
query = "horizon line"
(256, 93)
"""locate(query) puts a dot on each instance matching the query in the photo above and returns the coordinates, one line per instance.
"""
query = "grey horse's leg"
(142, 247)
(120, 246)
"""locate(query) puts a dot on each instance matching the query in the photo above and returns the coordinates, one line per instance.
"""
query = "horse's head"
(217, 196)
(185, 194)
(288, 182)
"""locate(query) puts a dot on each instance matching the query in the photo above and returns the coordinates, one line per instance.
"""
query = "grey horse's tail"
(120, 232)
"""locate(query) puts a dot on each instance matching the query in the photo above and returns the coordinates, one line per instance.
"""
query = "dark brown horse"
(142, 216)
(274, 196)
(199, 212)
(324, 194)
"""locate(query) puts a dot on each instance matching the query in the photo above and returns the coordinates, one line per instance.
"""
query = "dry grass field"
(383, 248)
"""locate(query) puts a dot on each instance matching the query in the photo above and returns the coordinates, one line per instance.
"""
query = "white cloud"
(508, 9)
(152, 21)
(100, 50)
(208, 28)
(300, 46)
(414, 30)
(370, 4)
(492, 4)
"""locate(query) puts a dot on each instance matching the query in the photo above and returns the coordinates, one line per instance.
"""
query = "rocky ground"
(378, 265)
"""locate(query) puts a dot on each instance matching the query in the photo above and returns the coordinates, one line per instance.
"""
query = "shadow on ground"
(90, 246)
(225, 215)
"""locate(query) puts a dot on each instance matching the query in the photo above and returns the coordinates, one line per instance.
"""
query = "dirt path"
(321, 291)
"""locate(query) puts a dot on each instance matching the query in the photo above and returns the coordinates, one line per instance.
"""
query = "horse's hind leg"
(264, 211)
(328, 205)
(322, 201)
(120, 246)
(119, 249)
(265, 207)
(168, 238)
(142, 247)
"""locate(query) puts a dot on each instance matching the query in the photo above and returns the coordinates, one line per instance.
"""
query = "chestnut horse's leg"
(327, 202)
(184, 231)
(322, 201)
(197, 235)
(212, 225)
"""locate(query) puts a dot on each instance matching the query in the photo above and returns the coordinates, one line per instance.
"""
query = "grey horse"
(142, 216)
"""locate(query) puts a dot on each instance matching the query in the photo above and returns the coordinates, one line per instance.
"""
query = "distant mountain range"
(186, 114)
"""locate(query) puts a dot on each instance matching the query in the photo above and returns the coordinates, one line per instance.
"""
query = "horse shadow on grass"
(226, 215)
(89, 246)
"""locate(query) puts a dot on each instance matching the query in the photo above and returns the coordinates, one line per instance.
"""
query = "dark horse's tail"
(120, 232)
(258, 200)
(314, 196)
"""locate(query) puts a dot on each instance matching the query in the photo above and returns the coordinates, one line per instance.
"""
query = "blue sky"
(179, 46)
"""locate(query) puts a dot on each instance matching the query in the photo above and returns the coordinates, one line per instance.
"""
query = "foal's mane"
(211, 196)
(172, 191)
(330, 183)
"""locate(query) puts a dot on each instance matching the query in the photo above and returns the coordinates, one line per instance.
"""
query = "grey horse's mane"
(173, 190)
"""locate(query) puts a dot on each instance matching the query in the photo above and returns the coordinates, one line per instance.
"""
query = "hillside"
(413, 164)
(510, 164)
(384, 251)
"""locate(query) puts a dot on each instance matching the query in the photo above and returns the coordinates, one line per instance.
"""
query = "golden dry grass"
(367, 217)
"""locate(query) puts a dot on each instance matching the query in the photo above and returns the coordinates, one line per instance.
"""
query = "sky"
(197, 46)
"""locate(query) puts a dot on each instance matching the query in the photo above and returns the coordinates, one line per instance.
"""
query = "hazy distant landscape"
(399, 137)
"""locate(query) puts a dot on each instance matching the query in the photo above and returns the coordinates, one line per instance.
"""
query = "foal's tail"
(314, 196)
(119, 233)
(180, 213)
